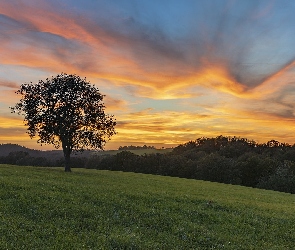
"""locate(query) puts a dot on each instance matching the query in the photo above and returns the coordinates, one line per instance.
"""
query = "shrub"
(282, 180)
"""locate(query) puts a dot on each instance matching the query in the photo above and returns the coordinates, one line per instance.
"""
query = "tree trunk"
(67, 150)
(67, 156)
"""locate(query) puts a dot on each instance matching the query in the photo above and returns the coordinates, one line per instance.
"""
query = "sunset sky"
(171, 70)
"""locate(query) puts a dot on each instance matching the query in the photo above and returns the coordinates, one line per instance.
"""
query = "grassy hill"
(45, 208)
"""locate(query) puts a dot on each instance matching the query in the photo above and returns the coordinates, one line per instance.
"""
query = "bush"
(93, 162)
(215, 167)
(253, 167)
(282, 180)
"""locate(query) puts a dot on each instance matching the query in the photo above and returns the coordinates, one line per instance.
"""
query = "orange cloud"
(115, 56)
(149, 126)
(172, 128)
(43, 37)
(8, 84)
(157, 75)
(259, 124)
(115, 104)
(11, 122)
(8, 97)
(12, 130)
(275, 82)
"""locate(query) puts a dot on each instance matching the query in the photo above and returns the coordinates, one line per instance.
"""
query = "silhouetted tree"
(65, 111)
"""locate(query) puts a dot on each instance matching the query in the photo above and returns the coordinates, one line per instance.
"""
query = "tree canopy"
(65, 111)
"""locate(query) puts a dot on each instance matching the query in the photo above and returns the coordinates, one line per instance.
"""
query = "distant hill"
(5, 149)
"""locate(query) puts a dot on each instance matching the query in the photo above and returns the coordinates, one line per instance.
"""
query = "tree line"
(230, 160)
(131, 147)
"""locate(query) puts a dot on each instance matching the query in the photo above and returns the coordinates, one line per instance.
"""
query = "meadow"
(45, 208)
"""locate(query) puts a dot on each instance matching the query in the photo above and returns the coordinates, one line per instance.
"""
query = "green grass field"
(45, 208)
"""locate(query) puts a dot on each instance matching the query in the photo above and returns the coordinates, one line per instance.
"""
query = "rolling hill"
(45, 208)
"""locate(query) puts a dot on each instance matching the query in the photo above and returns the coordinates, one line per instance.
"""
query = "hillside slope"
(45, 208)
(5, 149)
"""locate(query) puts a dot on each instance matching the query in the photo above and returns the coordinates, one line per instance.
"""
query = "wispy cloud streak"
(228, 51)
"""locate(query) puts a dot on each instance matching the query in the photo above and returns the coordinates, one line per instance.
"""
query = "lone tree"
(65, 111)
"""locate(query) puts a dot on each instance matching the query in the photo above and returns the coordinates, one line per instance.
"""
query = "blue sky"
(172, 71)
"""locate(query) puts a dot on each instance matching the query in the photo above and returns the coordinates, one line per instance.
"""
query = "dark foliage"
(65, 111)
(231, 160)
(283, 179)
(131, 147)
(222, 159)
(23, 158)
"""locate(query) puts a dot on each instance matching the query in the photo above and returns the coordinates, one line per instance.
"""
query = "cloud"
(115, 104)
(153, 126)
(11, 122)
(8, 84)
(275, 82)
(8, 97)
(135, 54)
(252, 120)
(227, 54)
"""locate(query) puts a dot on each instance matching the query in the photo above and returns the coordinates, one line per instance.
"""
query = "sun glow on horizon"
(171, 73)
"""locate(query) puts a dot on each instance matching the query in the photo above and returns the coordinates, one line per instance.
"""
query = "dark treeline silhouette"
(131, 147)
(230, 160)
